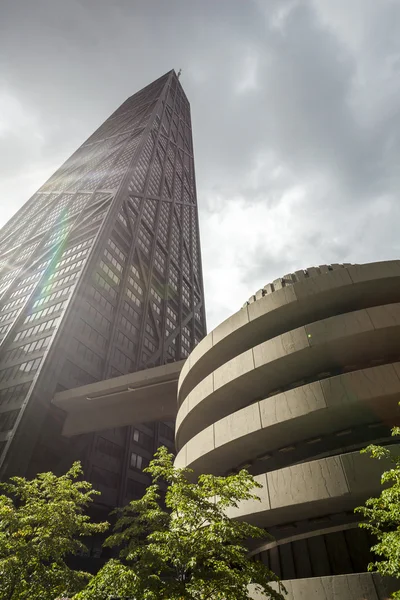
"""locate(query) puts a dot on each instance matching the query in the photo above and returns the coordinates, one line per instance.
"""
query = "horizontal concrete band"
(309, 411)
(313, 489)
(311, 299)
(148, 395)
(355, 586)
(341, 341)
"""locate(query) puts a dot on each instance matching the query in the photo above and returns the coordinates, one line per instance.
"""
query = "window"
(156, 308)
(95, 294)
(45, 311)
(138, 462)
(53, 296)
(59, 282)
(110, 273)
(149, 329)
(21, 335)
(135, 271)
(131, 311)
(149, 345)
(27, 349)
(87, 355)
(60, 272)
(77, 247)
(104, 478)
(106, 447)
(76, 376)
(132, 297)
(98, 318)
(122, 220)
(143, 439)
(155, 294)
(113, 261)
(23, 290)
(117, 250)
(166, 431)
(122, 360)
(14, 394)
(135, 285)
(72, 258)
(128, 326)
(7, 419)
(125, 342)
(9, 316)
(106, 286)
(91, 335)
(26, 368)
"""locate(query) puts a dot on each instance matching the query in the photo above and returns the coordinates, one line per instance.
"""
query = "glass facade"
(100, 275)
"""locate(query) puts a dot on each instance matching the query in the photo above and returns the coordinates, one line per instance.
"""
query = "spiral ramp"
(291, 387)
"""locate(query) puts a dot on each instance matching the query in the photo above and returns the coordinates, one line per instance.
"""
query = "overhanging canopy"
(149, 395)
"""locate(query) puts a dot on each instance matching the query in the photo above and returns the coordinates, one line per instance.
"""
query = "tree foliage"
(41, 521)
(189, 550)
(382, 515)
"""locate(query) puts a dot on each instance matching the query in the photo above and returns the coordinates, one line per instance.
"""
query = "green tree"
(382, 515)
(41, 521)
(189, 550)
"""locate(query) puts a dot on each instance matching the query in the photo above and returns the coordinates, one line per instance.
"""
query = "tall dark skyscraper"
(100, 275)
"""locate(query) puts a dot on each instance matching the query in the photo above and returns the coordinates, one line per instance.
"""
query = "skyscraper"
(100, 275)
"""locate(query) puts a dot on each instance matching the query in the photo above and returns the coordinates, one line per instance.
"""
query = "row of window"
(166, 431)
(135, 271)
(71, 258)
(16, 353)
(98, 318)
(135, 285)
(123, 361)
(99, 298)
(14, 394)
(128, 326)
(113, 260)
(109, 448)
(31, 331)
(86, 354)
(106, 286)
(75, 376)
(91, 335)
(132, 297)
(155, 294)
(51, 297)
(9, 316)
(40, 270)
(159, 261)
(131, 311)
(59, 282)
(23, 290)
(149, 329)
(64, 270)
(10, 275)
(77, 247)
(7, 419)
(138, 462)
(110, 273)
(125, 342)
(49, 310)
(144, 440)
(14, 303)
(117, 250)
(149, 345)
(26, 368)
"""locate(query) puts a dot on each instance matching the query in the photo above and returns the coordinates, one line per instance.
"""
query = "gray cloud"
(295, 114)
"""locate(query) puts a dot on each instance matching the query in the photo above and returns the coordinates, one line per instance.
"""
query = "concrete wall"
(291, 387)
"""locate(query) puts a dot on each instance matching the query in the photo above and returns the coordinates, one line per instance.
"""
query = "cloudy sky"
(295, 108)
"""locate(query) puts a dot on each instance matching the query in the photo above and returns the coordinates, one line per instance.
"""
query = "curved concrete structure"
(291, 387)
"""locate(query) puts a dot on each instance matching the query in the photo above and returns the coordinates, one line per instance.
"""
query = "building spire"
(179, 73)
